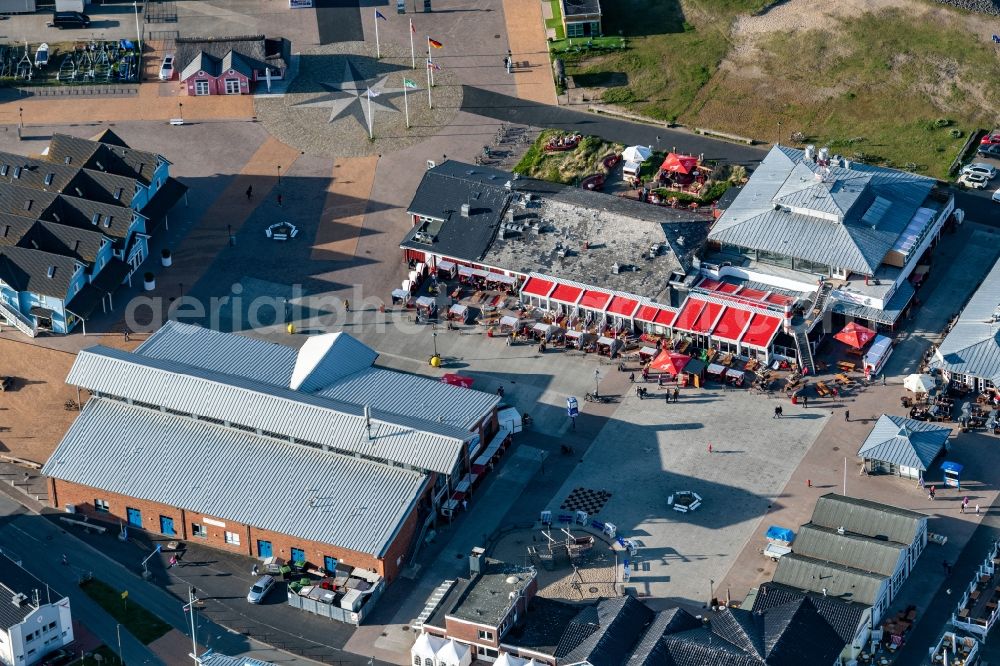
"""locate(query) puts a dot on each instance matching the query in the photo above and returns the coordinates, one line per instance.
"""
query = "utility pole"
(138, 34)
(192, 600)
(121, 657)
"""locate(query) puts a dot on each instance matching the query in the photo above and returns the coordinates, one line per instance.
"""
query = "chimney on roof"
(475, 561)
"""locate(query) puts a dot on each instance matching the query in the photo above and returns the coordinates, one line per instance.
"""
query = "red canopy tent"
(855, 335)
(669, 362)
(456, 380)
(675, 163)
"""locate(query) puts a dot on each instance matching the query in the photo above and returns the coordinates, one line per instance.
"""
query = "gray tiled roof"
(178, 461)
(972, 346)
(903, 441)
(843, 616)
(111, 158)
(27, 269)
(581, 7)
(487, 598)
(16, 580)
(73, 180)
(846, 583)
(77, 243)
(602, 635)
(243, 53)
(872, 519)
(798, 208)
(851, 550)
(228, 398)
(650, 651)
(63, 209)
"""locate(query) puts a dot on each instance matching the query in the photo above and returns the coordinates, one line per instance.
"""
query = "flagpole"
(430, 104)
(371, 117)
(413, 57)
(430, 59)
(406, 105)
(378, 50)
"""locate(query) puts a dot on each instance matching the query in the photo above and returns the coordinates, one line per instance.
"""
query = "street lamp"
(279, 174)
(597, 383)
(138, 35)
(711, 591)
(434, 335)
(121, 657)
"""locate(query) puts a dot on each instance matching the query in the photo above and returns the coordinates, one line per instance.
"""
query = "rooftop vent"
(19, 600)
(824, 154)
(810, 153)
(840, 530)
(67, 159)
(465, 210)
(615, 268)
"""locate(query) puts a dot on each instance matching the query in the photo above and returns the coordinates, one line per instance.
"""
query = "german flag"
(435, 43)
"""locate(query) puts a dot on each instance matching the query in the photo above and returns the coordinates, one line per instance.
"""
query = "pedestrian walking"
(279, 200)
(709, 448)
(931, 492)
(883, 379)
(961, 507)
(465, 505)
(847, 415)
(777, 412)
(173, 561)
(249, 192)
(659, 380)
(631, 378)
(805, 401)
(500, 391)
(255, 570)
(677, 394)
(347, 305)
(965, 503)
(977, 509)
(126, 334)
(666, 397)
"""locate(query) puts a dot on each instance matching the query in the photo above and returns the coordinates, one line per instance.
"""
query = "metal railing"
(80, 90)
(17, 320)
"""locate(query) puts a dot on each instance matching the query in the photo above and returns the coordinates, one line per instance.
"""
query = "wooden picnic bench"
(847, 366)
(822, 389)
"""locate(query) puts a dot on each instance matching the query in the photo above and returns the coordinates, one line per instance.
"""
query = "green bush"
(957, 133)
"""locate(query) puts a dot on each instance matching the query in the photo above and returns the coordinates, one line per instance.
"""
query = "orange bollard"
(809, 483)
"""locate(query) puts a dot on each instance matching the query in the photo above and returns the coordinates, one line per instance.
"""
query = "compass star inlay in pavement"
(349, 96)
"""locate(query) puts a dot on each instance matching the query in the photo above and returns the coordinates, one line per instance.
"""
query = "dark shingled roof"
(650, 651)
(244, 54)
(845, 617)
(543, 626)
(15, 580)
(111, 158)
(27, 269)
(573, 8)
(603, 634)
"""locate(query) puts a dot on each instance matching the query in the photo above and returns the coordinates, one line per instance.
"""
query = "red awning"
(647, 313)
(456, 380)
(564, 293)
(728, 288)
(855, 335)
(665, 317)
(762, 330)
(595, 300)
(779, 299)
(669, 362)
(709, 283)
(623, 306)
(732, 324)
(537, 287)
(753, 294)
(707, 318)
(680, 163)
(689, 314)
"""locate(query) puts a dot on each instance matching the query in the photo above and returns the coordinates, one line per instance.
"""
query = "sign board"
(572, 407)
(125, 594)
(300, 4)
(210, 521)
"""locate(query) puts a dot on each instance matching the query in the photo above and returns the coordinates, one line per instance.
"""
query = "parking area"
(982, 172)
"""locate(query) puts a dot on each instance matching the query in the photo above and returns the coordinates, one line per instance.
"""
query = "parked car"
(996, 196)
(981, 168)
(991, 139)
(974, 181)
(260, 589)
(58, 657)
(63, 20)
(990, 150)
(167, 67)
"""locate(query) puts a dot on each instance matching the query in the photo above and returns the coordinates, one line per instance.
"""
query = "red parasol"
(855, 335)
(670, 362)
(675, 163)
(456, 380)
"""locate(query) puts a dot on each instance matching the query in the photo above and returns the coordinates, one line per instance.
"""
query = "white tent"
(919, 383)
(454, 654)
(637, 153)
(510, 660)
(426, 647)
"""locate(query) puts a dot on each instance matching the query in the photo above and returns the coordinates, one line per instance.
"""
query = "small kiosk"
(952, 473)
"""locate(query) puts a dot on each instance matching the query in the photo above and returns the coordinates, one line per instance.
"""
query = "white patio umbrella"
(637, 154)
(919, 383)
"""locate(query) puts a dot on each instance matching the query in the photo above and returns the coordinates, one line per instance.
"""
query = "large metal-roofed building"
(188, 396)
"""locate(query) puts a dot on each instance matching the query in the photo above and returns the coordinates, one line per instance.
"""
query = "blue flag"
(379, 15)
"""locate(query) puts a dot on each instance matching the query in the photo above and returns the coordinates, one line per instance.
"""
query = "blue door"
(298, 555)
(329, 563)
(263, 549)
(134, 516)
(166, 525)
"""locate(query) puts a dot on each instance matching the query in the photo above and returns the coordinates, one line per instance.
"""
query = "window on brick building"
(232, 538)
(101, 506)
(198, 530)
(485, 635)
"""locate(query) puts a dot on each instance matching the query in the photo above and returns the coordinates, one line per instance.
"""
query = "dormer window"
(3, 170)
(17, 172)
(107, 221)
(51, 272)
(118, 193)
(48, 178)
(67, 159)
(95, 218)
(27, 204)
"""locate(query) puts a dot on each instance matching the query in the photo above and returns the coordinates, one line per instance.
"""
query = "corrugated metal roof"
(211, 658)
(183, 388)
(202, 467)
(972, 347)
(887, 315)
(414, 396)
(903, 441)
(851, 550)
(784, 179)
(239, 355)
(871, 519)
(324, 359)
(806, 573)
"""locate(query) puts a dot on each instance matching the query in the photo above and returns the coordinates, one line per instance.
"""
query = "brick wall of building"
(83, 498)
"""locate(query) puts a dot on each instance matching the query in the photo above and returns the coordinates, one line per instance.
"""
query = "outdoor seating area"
(976, 613)
(955, 650)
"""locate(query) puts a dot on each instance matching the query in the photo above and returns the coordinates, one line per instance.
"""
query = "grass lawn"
(871, 85)
(565, 167)
(556, 21)
(108, 658)
(144, 625)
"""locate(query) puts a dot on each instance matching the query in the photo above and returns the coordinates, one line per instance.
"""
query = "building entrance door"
(263, 548)
(134, 516)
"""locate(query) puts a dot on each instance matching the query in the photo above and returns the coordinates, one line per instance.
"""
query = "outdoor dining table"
(715, 369)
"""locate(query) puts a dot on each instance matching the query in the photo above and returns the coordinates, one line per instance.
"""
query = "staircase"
(804, 350)
(17, 320)
(819, 304)
(432, 603)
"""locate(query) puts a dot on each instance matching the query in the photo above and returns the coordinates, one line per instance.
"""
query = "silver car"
(260, 589)
(981, 169)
